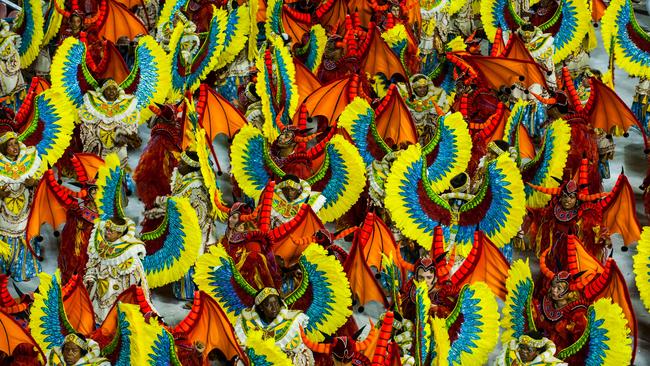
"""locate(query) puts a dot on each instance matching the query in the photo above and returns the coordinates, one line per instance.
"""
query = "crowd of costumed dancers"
(334, 182)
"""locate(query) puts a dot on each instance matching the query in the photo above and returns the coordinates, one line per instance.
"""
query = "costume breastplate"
(564, 215)
(553, 314)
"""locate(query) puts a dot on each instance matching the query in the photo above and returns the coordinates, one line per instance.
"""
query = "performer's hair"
(291, 177)
(502, 145)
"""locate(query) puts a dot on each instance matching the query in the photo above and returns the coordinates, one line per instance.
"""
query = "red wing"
(607, 111)
(208, 324)
(120, 22)
(13, 335)
(78, 307)
(217, 115)
(484, 263)
(116, 68)
(619, 211)
(292, 238)
(394, 122)
(8, 304)
(307, 82)
(329, 100)
(363, 283)
(379, 58)
(499, 71)
(50, 205)
(517, 50)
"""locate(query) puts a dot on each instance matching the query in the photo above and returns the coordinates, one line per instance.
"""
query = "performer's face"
(568, 201)
(111, 93)
(527, 353)
(270, 308)
(427, 276)
(71, 353)
(421, 90)
(75, 24)
(233, 220)
(286, 138)
(112, 235)
(13, 149)
(557, 290)
(290, 193)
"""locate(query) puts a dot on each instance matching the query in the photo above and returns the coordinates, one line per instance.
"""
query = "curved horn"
(548, 190)
(323, 348)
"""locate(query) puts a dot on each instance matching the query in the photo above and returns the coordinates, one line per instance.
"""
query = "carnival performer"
(561, 313)
(442, 295)
(11, 78)
(529, 349)
(271, 316)
(541, 48)
(109, 121)
(187, 181)
(20, 168)
(114, 263)
(77, 350)
(290, 194)
(423, 106)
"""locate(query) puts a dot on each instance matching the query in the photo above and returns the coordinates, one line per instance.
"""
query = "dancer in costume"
(114, 263)
(11, 77)
(187, 182)
(528, 350)
(271, 316)
(442, 296)
(21, 167)
(289, 195)
(77, 350)
(423, 106)
(109, 121)
(117, 257)
(264, 310)
(576, 313)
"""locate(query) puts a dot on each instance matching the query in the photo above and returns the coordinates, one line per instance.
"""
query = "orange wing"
(394, 121)
(208, 324)
(116, 68)
(133, 295)
(90, 163)
(376, 239)
(517, 50)
(329, 100)
(78, 306)
(619, 211)
(498, 71)
(293, 27)
(498, 47)
(292, 238)
(379, 58)
(484, 263)
(526, 146)
(50, 205)
(120, 22)
(598, 8)
(581, 261)
(130, 4)
(307, 82)
(334, 17)
(217, 115)
(363, 283)
(607, 110)
(362, 7)
(13, 335)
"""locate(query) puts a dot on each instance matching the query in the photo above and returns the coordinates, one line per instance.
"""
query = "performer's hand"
(31, 182)
(4, 192)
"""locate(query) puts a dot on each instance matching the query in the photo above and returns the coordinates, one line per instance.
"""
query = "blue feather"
(320, 306)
